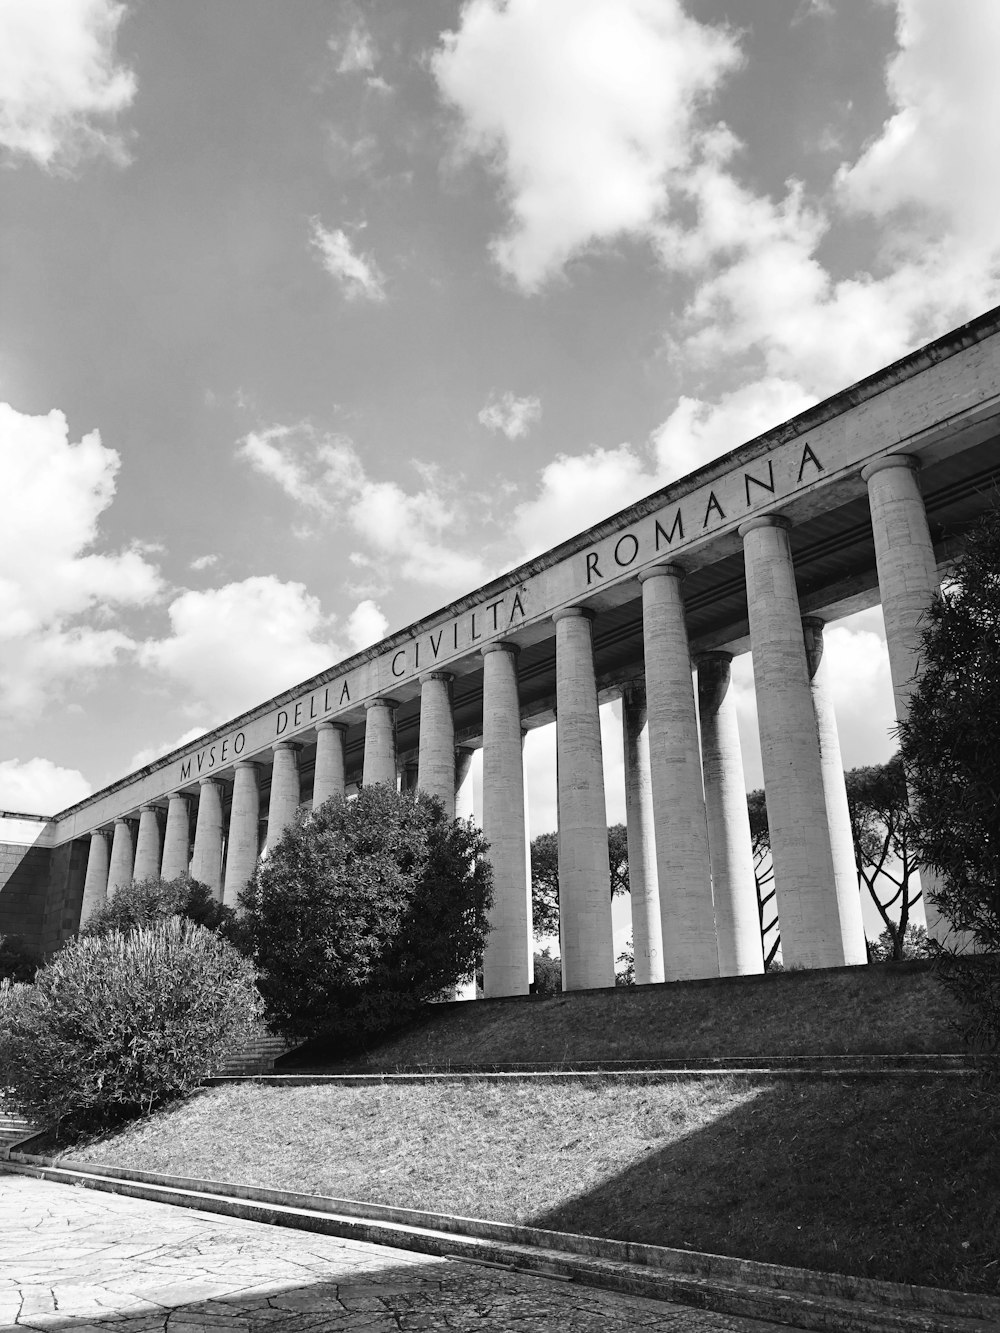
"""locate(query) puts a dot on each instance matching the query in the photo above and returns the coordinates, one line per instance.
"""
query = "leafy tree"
(366, 910)
(888, 948)
(883, 848)
(763, 873)
(147, 901)
(118, 1024)
(625, 965)
(548, 974)
(950, 748)
(545, 876)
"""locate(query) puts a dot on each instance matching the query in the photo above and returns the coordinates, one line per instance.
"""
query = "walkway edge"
(802, 1298)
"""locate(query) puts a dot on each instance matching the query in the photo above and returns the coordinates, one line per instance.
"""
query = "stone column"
(681, 830)
(838, 814)
(804, 873)
(147, 844)
(286, 792)
(243, 844)
(120, 869)
(644, 889)
(95, 886)
(734, 891)
(206, 860)
(505, 962)
(464, 803)
(177, 838)
(380, 742)
(329, 775)
(908, 580)
(588, 957)
(529, 912)
(436, 761)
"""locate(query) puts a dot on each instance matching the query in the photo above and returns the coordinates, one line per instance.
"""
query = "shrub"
(120, 1023)
(17, 961)
(365, 911)
(150, 900)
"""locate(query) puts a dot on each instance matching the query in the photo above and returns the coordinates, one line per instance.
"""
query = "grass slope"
(887, 1008)
(897, 1179)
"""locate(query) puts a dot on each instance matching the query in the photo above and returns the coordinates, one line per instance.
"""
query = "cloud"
(57, 609)
(146, 756)
(353, 46)
(61, 86)
(39, 787)
(585, 110)
(357, 276)
(201, 562)
(325, 474)
(234, 646)
(365, 625)
(510, 415)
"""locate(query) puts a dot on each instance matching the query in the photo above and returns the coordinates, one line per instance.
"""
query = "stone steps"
(799, 1298)
(257, 1057)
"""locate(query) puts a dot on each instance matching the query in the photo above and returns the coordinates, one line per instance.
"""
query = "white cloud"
(365, 625)
(201, 562)
(358, 276)
(585, 109)
(412, 529)
(352, 44)
(39, 787)
(146, 756)
(510, 415)
(57, 608)
(61, 86)
(576, 491)
(234, 646)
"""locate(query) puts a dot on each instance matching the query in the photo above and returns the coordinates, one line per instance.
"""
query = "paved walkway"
(81, 1260)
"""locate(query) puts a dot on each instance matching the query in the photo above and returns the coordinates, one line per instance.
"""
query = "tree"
(147, 901)
(888, 948)
(763, 873)
(548, 974)
(366, 910)
(950, 748)
(883, 848)
(625, 965)
(117, 1024)
(545, 876)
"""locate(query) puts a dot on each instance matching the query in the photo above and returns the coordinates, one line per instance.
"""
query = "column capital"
(294, 746)
(381, 702)
(244, 764)
(500, 646)
(210, 782)
(764, 521)
(890, 461)
(572, 613)
(178, 796)
(714, 674)
(331, 726)
(123, 819)
(147, 805)
(671, 570)
(438, 675)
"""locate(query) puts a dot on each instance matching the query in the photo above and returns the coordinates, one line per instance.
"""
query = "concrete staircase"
(257, 1057)
(13, 1128)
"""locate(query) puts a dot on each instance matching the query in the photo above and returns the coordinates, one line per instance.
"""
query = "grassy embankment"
(898, 1179)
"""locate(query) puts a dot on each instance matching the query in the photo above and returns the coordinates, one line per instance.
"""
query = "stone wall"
(41, 886)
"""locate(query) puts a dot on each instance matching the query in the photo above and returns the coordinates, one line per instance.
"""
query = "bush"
(118, 1024)
(147, 901)
(364, 911)
(17, 961)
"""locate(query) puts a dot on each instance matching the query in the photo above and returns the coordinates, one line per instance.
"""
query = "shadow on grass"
(835, 1176)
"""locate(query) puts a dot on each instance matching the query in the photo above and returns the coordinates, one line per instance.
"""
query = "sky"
(316, 316)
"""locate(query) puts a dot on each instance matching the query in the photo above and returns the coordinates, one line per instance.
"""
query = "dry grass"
(895, 1179)
(860, 1010)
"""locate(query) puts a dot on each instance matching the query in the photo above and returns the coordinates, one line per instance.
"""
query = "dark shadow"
(897, 1179)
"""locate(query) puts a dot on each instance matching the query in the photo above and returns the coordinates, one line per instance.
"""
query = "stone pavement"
(81, 1260)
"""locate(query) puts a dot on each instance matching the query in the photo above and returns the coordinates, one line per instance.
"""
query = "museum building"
(862, 499)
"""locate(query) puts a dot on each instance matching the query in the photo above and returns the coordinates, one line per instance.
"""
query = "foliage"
(545, 876)
(548, 974)
(889, 949)
(883, 848)
(763, 873)
(950, 748)
(147, 901)
(117, 1024)
(625, 965)
(17, 961)
(366, 910)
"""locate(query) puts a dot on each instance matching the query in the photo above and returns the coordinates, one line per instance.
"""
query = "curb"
(800, 1298)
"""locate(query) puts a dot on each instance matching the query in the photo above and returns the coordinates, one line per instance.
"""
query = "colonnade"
(694, 905)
